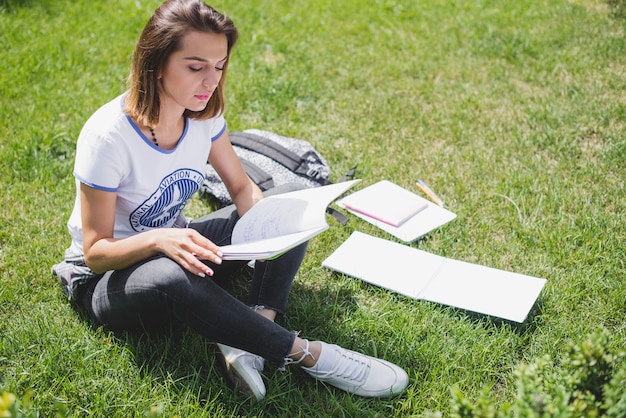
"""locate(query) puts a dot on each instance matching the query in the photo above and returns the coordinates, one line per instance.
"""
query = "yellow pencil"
(428, 192)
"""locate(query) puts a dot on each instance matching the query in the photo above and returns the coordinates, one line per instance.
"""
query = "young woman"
(135, 261)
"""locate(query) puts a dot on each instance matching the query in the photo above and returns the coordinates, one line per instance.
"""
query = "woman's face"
(191, 74)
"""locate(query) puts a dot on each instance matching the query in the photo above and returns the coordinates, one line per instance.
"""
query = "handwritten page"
(425, 276)
(280, 222)
(280, 217)
(431, 217)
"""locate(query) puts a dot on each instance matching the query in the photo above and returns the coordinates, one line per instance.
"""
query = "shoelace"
(355, 366)
(256, 361)
(305, 352)
(257, 364)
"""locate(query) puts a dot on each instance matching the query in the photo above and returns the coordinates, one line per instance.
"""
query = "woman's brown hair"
(159, 39)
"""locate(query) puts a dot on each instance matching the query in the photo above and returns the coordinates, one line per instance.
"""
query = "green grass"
(514, 112)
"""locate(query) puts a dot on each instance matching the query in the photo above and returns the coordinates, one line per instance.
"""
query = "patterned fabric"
(72, 272)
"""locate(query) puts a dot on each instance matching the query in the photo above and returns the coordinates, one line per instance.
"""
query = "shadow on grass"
(530, 324)
(49, 6)
(618, 8)
(187, 363)
(15, 4)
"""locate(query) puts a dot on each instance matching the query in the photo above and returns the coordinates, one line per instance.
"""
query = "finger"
(207, 250)
(194, 265)
(205, 255)
(203, 246)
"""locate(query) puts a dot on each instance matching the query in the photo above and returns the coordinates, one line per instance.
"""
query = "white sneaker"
(357, 373)
(244, 370)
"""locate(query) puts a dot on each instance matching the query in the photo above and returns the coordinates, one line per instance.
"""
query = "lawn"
(514, 112)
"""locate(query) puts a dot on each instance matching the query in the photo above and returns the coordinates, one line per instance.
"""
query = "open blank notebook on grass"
(396, 210)
(425, 276)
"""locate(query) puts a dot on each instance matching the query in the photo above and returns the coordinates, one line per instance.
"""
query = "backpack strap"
(259, 176)
(276, 152)
(343, 219)
(334, 212)
(349, 174)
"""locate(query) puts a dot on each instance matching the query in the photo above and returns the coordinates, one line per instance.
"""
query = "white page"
(278, 217)
(280, 222)
(422, 275)
(288, 213)
(384, 263)
(486, 290)
(415, 227)
(271, 247)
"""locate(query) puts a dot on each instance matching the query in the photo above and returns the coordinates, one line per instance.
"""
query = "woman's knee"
(158, 273)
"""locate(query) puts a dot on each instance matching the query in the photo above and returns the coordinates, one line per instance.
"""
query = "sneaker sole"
(239, 382)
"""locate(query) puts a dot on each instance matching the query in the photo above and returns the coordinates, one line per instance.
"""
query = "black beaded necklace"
(154, 138)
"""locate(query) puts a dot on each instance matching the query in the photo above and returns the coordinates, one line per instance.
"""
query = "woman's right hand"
(188, 247)
(102, 252)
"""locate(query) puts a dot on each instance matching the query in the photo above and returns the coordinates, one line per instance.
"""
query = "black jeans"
(158, 289)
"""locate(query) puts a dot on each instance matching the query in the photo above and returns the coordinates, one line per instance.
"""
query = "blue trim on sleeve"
(220, 132)
(95, 186)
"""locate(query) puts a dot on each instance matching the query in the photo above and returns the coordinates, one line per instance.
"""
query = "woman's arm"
(243, 191)
(103, 252)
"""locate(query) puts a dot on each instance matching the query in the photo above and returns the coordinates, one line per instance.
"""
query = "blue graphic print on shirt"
(168, 201)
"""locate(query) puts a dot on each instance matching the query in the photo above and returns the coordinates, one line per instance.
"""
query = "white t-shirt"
(153, 185)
